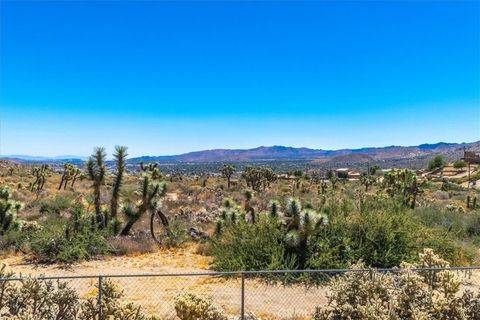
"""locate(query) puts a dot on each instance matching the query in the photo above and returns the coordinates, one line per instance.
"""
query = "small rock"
(196, 234)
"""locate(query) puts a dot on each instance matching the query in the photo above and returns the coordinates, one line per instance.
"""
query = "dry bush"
(406, 294)
(133, 245)
(35, 299)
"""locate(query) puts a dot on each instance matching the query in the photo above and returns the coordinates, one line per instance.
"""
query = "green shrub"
(60, 241)
(437, 162)
(57, 205)
(176, 235)
(459, 164)
(382, 238)
(244, 246)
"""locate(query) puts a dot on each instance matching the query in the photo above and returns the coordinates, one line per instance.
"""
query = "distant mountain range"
(390, 154)
(42, 158)
(281, 153)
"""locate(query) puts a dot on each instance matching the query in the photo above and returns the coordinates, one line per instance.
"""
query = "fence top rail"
(239, 273)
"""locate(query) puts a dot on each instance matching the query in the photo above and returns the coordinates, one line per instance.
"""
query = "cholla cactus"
(406, 294)
(9, 209)
(192, 307)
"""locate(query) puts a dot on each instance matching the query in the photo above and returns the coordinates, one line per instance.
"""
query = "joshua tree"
(96, 172)
(152, 169)
(274, 209)
(40, 174)
(301, 225)
(248, 206)
(70, 173)
(323, 186)
(120, 157)
(8, 211)
(367, 180)
(403, 183)
(150, 190)
(227, 171)
(258, 178)
(333, 178)
(230, 213)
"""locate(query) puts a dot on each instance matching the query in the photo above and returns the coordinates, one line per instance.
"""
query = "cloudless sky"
(172, 77)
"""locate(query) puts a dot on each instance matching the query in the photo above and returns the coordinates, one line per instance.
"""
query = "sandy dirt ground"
(156, 294)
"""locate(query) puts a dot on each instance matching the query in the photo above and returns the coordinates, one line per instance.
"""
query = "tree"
(403, 183)
(258, 178)
(437, 162)
(302, 224)
(333, 178)
(230, 214)
(367, 180)
(70, 173)
(152, 169)
(96, 172)
(342, 175)
(459, 164)
(227, 171)
(373, 170)
(248, 205)
(40, 174)
(150, 190)
(120, 157)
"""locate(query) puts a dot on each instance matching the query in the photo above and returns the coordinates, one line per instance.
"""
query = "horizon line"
(64, 157)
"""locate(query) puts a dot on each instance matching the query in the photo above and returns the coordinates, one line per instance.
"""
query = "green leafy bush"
(437, 162)
(243, 246)
(69, 242)
(57, 205)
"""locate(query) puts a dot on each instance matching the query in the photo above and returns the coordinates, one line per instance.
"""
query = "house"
(471, 157)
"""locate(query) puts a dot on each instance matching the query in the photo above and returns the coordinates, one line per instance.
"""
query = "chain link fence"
(288, 295)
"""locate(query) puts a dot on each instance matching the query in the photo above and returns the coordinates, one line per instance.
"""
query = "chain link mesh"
(284, 295)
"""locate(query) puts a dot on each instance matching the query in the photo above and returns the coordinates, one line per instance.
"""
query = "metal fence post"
(242, 310)
(100, 317)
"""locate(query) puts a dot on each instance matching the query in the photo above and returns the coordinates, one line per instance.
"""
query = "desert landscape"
(83, 219)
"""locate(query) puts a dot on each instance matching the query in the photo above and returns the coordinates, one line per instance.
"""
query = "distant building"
(471, 157)
(354, 175)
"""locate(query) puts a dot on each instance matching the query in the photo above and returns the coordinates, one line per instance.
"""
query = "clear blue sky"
(172, 77)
